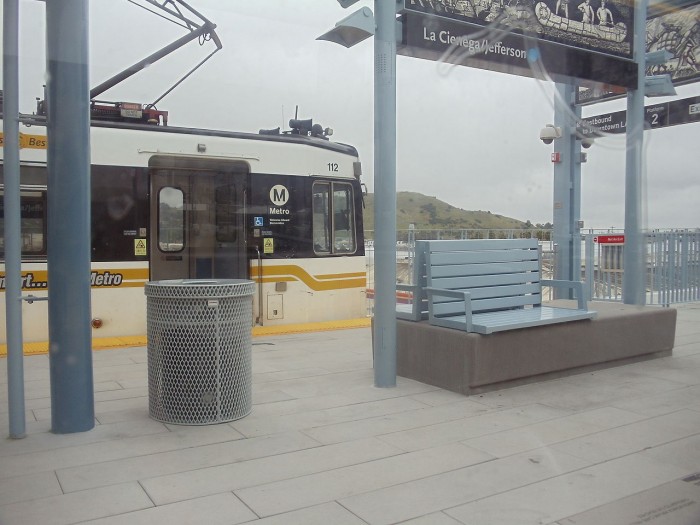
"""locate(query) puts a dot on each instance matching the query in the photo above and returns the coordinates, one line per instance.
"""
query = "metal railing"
(672, 267)
(672, 260)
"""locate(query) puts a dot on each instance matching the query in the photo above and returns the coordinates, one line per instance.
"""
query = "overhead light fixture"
(352, 29)
(656, 58)
(658, 86)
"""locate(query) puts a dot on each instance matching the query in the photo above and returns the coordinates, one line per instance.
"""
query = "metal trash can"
(199, 350)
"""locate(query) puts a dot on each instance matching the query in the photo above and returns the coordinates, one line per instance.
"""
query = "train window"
(225, 214)
(321, 219)
(343, 224)
(333, 218)
(33, 224)
(171, 219)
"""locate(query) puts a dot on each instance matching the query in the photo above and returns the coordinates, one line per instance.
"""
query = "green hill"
(429, 213)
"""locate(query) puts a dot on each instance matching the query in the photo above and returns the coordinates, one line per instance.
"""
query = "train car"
(282, 209)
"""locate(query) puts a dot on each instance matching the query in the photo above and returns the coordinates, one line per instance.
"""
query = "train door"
(198, 219)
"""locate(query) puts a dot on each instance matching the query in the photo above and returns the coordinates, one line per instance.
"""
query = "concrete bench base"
(471, 363)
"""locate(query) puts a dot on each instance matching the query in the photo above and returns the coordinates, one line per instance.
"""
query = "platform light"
(656, 58)
(352, 29)
(658, 86)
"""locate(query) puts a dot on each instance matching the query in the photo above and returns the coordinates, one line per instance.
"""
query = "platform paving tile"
(326, 384)
(68, 509)
(50, 459)
(281, 375)
(322, 487)
(688, 349)
(388, 424)
(659, 404)
(468, 427)
(47, 441)
(112, 392)
(326, 514)
(674, 503)
(553, 499)
(684, 453)
(269, 396)
(442, 491)
(236, 476)
(219, 509)
(138, 403)
(637, 379)
(180, 460)
(364, 393)
(579, 392)
(538, 435)
(32, 486)
(688, 375)
(439, 397)
(434, 518)
(254, 425)
(627, 439)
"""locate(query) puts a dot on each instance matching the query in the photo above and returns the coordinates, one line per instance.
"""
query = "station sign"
(609, 239)
(508, 51)
(662, 115)
(584, 24)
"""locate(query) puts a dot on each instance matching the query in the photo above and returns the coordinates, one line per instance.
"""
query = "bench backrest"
(499, 273)
(418, 309)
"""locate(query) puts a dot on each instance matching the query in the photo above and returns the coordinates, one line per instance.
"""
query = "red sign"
(609, 239)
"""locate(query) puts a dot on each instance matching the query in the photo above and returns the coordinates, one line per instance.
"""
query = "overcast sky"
(467, 136)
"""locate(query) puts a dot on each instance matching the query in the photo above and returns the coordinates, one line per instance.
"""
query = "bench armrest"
(456, 294)
(576, 286)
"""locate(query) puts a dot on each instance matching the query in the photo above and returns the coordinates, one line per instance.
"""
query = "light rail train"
(281, 209)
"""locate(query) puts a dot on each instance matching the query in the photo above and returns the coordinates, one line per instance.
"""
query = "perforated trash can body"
(199, 350)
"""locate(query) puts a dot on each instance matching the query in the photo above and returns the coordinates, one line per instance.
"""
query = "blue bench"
(487, 286)
(417, 309)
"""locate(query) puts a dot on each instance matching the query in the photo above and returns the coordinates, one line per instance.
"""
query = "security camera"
(587, 142)
(549, 133)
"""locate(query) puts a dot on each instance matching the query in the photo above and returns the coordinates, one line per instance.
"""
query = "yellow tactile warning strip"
(311, 327)
(103, 343)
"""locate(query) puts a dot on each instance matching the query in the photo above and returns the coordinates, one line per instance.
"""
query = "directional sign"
(684, 111)
(662, 115)
(609, 239)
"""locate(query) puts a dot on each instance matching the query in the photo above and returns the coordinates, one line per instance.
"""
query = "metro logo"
(279, 195)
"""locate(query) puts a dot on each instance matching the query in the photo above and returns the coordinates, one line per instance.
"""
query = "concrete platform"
(324, 446)
(470, 363)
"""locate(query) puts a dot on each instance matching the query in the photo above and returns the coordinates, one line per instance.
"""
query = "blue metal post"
(70, 352)
(385, 193)
(634, 255)
(13, 220)
(567, 190)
